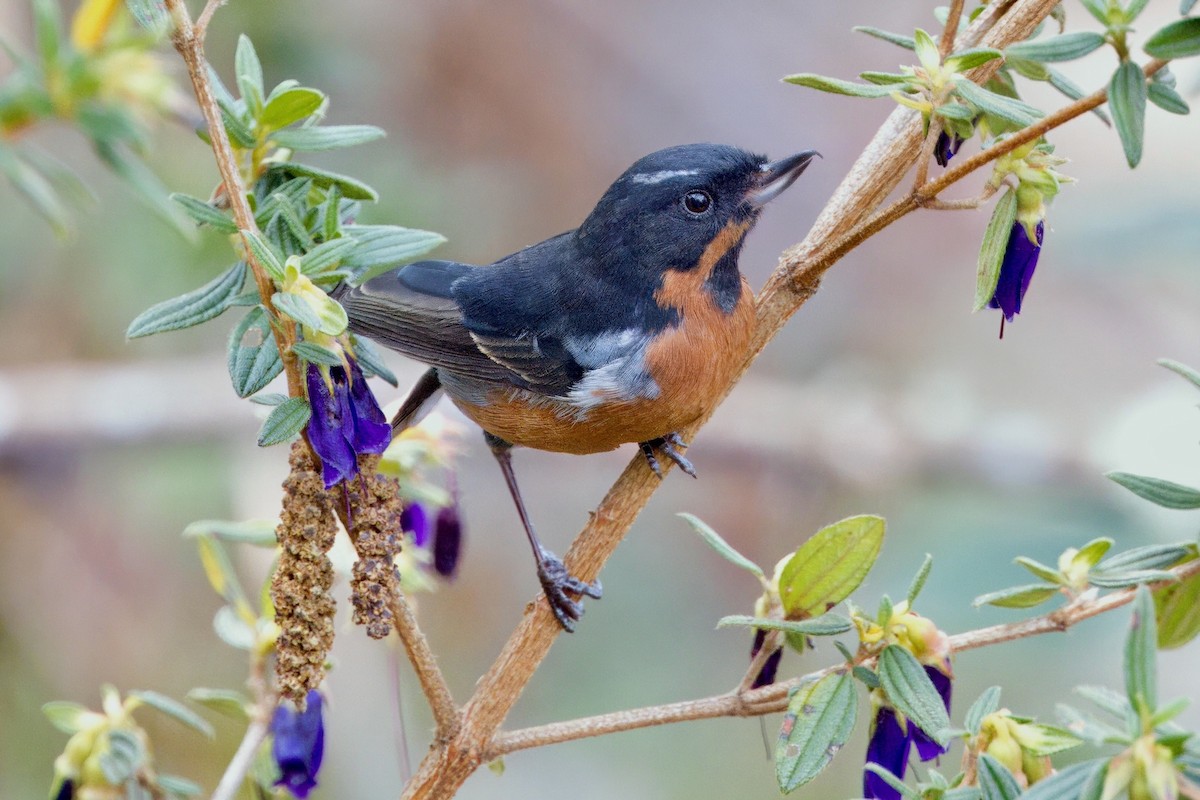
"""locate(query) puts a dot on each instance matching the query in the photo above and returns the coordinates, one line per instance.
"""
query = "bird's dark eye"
(697, 202)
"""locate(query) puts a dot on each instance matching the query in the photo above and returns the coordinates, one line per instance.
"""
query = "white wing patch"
(662, 175)
(614, 370)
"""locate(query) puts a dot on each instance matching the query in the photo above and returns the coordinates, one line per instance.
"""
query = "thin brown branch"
(889, 156)
(950, 32)
(446, 715)
(205, 17)
(256, 732)
(774, 698)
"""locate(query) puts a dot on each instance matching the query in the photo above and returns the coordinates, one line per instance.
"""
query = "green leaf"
(326, 255)
(1040, 570)
(123, 757)
(819, 720)
(150, 14)
(918, 581)
(1018, 596)
(1140, 656)
(291, 106)
(1066, 783)
(991, 251)
(328, 318)
(1087, 726)
(955, 111)
(828, 624)
(236, 129)
(1178, 612)
(180, 787)
(1119, 579)
(1166, 98)
(285, 422)
(907, 42)
(1098, 9)
(927, 50)
(892, 781)
(350, 187)
(175, 710)
(317, 354)
(48, 29)
(331, 222)
(219, 570)
(1151, 556)
(1127, 101)
(1182, 370)
(1065, 47)
(1090, 554)
(268, 398)
(988, 703)
(911, 691)
(249, 74)
(1185, 6)
(884, 78)
(258, 532)
(371, 361)
(226, 702)
(70, 718)
(836, 86)
(144, 183)
(967, 60)
(232, 629)
(253, 356)
(723, 548)
(192, 308)
(830, 565)
(381, 247)
(328, 137)
(1046, 740)
(995, 781)
(1006, 108)
(1158, 491)
(37, 188)
(963, 793)
(204, 213)
(1111, 701)
(1179, 39)
(264, 254)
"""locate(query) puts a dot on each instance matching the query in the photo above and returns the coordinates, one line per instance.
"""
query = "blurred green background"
(506, 121)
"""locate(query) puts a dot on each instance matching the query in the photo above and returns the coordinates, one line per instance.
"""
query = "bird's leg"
(667, 444)
(551, 571)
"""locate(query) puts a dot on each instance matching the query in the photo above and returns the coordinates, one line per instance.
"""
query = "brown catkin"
(374, 501)
(300, 589)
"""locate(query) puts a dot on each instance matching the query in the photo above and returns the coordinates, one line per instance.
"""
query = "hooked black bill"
(779, 175)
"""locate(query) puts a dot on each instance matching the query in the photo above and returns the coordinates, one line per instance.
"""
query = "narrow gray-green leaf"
(178, 786)
(898, 39)
(1166, 98)
(68, 717)
(1018, 596)
(1127, 101)
(991, 250)
(910, 690)
(1039, 569)
(249, 73)
(899, 786)
(290, 106)
(285, 421)
(326, 255)
(150, 14)
(1183, 370)
(1072, 90)
(1141, 683)
(253, 358)
(264, 254)
(1065, 784)
(1085, 725)
(317, 354)
(381, 247)
(723, 548)
(1151, 556)
(227, 702)
(995, 781)
(297, 308)
(1110, 700)
(1178, 610)
(955, 111)
(918, 581)
(1065, 47)
(370, 359)
(1119, 579)
(884, 78)
(828, 624)
(987, 703)
(351, 188)
(328, 137)
(1006, 108)
(1158, 491)
(1179, 39)
(204, 213)
(257, 532)
(176, 710)
(967, 60)
(192, 308)
(819, 720)
(123, 757)
(837, 86)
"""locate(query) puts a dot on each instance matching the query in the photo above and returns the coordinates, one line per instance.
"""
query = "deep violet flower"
(892, 738)
(346, 420)
(1020, 260)
(447, 540)
(415, 520)
(946, 148)
(766, 675)
(299, 744)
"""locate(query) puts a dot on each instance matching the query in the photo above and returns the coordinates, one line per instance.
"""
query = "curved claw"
(556, 582)
(667, 444)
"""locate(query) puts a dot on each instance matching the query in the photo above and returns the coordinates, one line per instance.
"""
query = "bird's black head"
(666, 210)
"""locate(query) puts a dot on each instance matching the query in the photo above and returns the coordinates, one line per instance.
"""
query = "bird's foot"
(556, 582)
(667, 444)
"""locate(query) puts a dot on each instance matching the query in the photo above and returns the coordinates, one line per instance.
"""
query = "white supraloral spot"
(662, 175)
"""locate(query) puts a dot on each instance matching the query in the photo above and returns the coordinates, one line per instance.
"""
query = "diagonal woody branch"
(875, 175)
